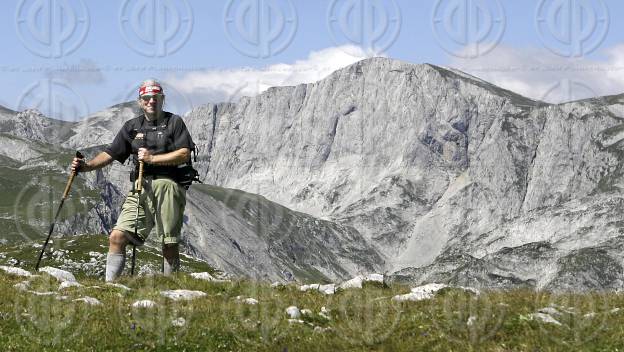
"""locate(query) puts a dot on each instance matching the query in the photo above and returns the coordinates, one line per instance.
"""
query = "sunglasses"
(148, 97)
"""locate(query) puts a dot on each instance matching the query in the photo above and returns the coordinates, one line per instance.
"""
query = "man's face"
(151, 103)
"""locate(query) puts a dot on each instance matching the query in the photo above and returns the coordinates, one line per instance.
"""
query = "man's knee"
(170, 250)
(117, 239)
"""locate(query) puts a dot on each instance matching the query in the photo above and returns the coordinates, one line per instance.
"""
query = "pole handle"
(71, 177)
(139, 186)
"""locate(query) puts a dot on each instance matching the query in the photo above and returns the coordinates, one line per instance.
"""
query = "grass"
(359, 319)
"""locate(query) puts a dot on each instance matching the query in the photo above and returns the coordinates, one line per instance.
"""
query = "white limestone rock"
(543, 317)
(328, 289)
(59, 274)
(359, 280)
(293, 312)
(15, 271)
(178, 295)
(89, 300)
(22, 286)
(145, 303)
(66, 284)
(46, 293)
(249, 300)
(203, 276)
(179, 322)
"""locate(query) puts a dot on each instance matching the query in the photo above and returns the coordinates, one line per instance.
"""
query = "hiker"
(162, 142)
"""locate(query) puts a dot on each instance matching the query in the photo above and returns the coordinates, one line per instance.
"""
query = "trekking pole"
(58, 211)
(139, 188)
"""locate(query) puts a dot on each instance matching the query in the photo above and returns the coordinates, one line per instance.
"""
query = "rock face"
(419, 170)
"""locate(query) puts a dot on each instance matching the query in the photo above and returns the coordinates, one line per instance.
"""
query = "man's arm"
(96, 163)
(173, 158)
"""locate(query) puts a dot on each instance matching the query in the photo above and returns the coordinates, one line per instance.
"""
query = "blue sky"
(101, 67)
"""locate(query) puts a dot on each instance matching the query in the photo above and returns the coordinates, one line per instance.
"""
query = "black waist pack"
(185, 175)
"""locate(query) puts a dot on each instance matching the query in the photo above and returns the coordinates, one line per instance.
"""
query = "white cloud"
(539, 74)
(229, 85)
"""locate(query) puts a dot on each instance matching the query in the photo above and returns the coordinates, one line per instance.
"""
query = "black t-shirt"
(159, 137)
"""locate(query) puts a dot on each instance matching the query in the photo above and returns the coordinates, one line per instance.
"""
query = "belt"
(156, 177)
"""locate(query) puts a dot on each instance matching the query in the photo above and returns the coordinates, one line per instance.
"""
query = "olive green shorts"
(161, 205)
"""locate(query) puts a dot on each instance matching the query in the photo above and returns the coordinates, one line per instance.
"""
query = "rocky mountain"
(417, 170)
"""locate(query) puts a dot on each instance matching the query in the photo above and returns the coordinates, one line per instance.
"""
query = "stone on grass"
(306, 312)
(59, 274)
(145, 303)
(295, 321)
(471, 320)
(249, 300)
(66, 284)
(428, 291)
(359, 280)
(88, 300)
(293, 312)
(420, 293)
(47, 293)
(178, 295)
(549, 311)
(203, 276)
(15, 271)
(309, 287)
(328, 289)
(320, 329)
(180, 322)
(546, 318)
(22, 286)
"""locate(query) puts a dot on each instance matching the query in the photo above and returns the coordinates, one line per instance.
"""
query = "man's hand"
(145, 155)
(77, 165)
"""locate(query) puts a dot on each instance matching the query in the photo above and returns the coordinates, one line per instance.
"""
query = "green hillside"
(32, 189)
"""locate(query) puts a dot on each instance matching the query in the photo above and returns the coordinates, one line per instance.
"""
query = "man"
(162, 141)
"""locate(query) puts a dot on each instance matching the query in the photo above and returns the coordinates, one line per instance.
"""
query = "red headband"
(150, 90)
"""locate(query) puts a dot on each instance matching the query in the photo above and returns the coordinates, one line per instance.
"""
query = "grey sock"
(114, 265)
(171, 265)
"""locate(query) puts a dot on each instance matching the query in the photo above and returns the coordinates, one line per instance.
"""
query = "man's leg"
(171, 262)
(169, 201)
(116, 258)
